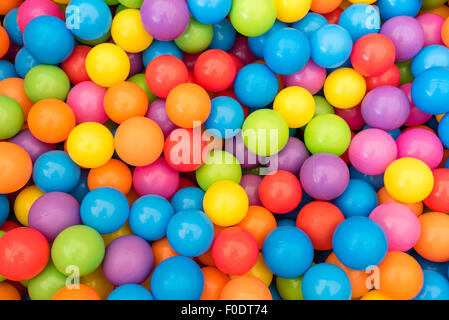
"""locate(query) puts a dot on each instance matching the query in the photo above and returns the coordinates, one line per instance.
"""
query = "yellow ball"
(62, 1)
(226, 203)
(125, 230)
(296, 105)
(292, 10)
(90, 145)
(107, 64)
(375, 295)
(363, 1)
(97, 281)
(261, 271)
(408, 180)
(128, 32)
(24, 201)
(344, 88)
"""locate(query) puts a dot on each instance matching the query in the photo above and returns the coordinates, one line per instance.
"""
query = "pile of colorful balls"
(224, 149)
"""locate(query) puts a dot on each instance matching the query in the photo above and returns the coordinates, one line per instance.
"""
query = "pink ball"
(416, 116)
(432, 25)
(156, 178)
(31, 9)
(311, 77)
(87, 102)
(421, 144)
(400, 224)
(352, 116)
(372, 150)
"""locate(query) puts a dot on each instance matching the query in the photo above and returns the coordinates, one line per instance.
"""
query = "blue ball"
(224, 35)
(310, 23)
(360, 19)
(48, 40)
(88, 19)
(287, 51)
(287, 252)
(326, 281)
(11, 26)
(209, 11)
(82, 188)
(286, 223)
(177, 278)
(376, 181)
(257, 44)
(443, 131)
(256, 86)
(55, 171)
(440, 267)
(331, 46)
(393, 133)
(160, 48)
(274, 291)
(225, 119)
(24, 62)
(430, 57)
(4, 208)
(359, 199)
(359, 242)
(446, 164)
(130, 292)
(149, 217)
(393, 8)
(435, 287)
(190, 198)
(7, 70)
(430, 91)
(190, 233)
(105, 209)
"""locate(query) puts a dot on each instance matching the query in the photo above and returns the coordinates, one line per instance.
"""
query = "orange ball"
(51, 120)
(324, 6)
(15, 167)
(245, 288)
(125, 100)
(188, 105)
(384, 197)
(214, 282)
(113, 174)
(445, 32)
(84, 292)
(162, 251)
(15, 89)
(433, 242)
(9, 292)
(7, 5)
(259, 222)
(132, 196)
(4, 42)
(400, 276)
(139, 141)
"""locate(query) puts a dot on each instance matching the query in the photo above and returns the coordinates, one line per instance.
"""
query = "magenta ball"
(128, 259)
(158, 113)
(406, 34)
(245, 157)
(165, 19)
(324, 176)
(352, 116)
(53, 212)
(400, 224)
(431, 24)
(34, 147)
(251, 182)
(31, 9)
(156, 178)
(416, 116)
(311, 77)
(371, 151)
(86, 99)
(386, 108)
(421, 144)
(242, 51)
(291, 157)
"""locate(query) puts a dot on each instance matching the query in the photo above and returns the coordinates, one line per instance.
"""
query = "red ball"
(24, 253)
(391, 77)
(164, 73)
(334, 16)
(235, 251)
(319, 219)
(438, 200)
(8, 225)
(280, 192)
(75, 65)
(237, 61)
(215, 70)
(373, 54)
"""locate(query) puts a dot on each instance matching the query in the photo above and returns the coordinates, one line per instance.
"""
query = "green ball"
(252, 18)
(93, 43)
(139, 79)
(322, 106)
(196, 38)
(219, 165)
(405, 70)
(265, 132)
(46, 284)
(133, 4)
(46, 82)
(289, 289)
(111, 2)
(327, 133)
(11, 117)
(432, 4)
(120, 8)
(79, 246)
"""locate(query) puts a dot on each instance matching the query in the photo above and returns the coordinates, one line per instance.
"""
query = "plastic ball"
(214, 70)
(196, 38)
(226, 118)
(15, 167)
(75, 65)
(296, 105)
(250, 183)
(359, 199)
(445, 32)
(224, 35)
(289, 289)
(158, 113)
(125, 100)
(160, 48)
(436, 201)
(257, 44)
(292, 11)
(4, 42)
(393, 8)
(291, 157)
(189, 198)
(113, 174)
(46, 82)
(430, 89)
(443, 131)
(128, 32)
(311, 78)
(245, 288)
(344, 88)
(45, 285)
(12, 27)
(4, 209)
(324, 6)
(130, 292)
(83, 292)
(430, 57)
(390, 77)
(310, 23)
(7, 70)
(214, 282)
(433, 241)
(35, 8)
(435, 287)
(431, 24)
(11, 117)
(326, 281)
(209, 12)
(259, 222)
(360, 19)
(253, 18)
(86, 99)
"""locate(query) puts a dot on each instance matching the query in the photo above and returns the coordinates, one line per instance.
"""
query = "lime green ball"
(78, 246)
(432, 4)
(46, 284)
(11, 117)
(133, 4)
(120, 8)
(253, 18)
(219, 165)
(196, 38)
(25, 283)
(93, 43)
(265, 132)
(289, 289)
(405, 70)
(327, 133)
(46, 82)
(111, 2)
(139, 79)
(322, 106)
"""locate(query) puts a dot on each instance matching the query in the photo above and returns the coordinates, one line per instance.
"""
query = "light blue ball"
(326, 281)
(225, 119)
(430, 57)
(209, 11)
(393, 8)
(130, 292)
(430, 91)
(257, 44)
(310, 23)
(393, 133)
(190, 198)
(224, 35)
(4, 208)
(360, 19)
(286, 223)
(376, 181)
(435, 287)
(443, 131)
(7, 70)
(359, 199)
(160, 48)
(11, 26)
(81, 188)
(24, 62)
(440, 267)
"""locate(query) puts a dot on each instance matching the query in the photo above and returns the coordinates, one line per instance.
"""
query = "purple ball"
(158, 113)
(128, 259)
(242, 51)
(136, 62)
(34, 147)
(165, 19)
(386, 108)
(53, 212)
(251, 182)
(291, 157)
(245, 157)
(407, 35)
(324, 176)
